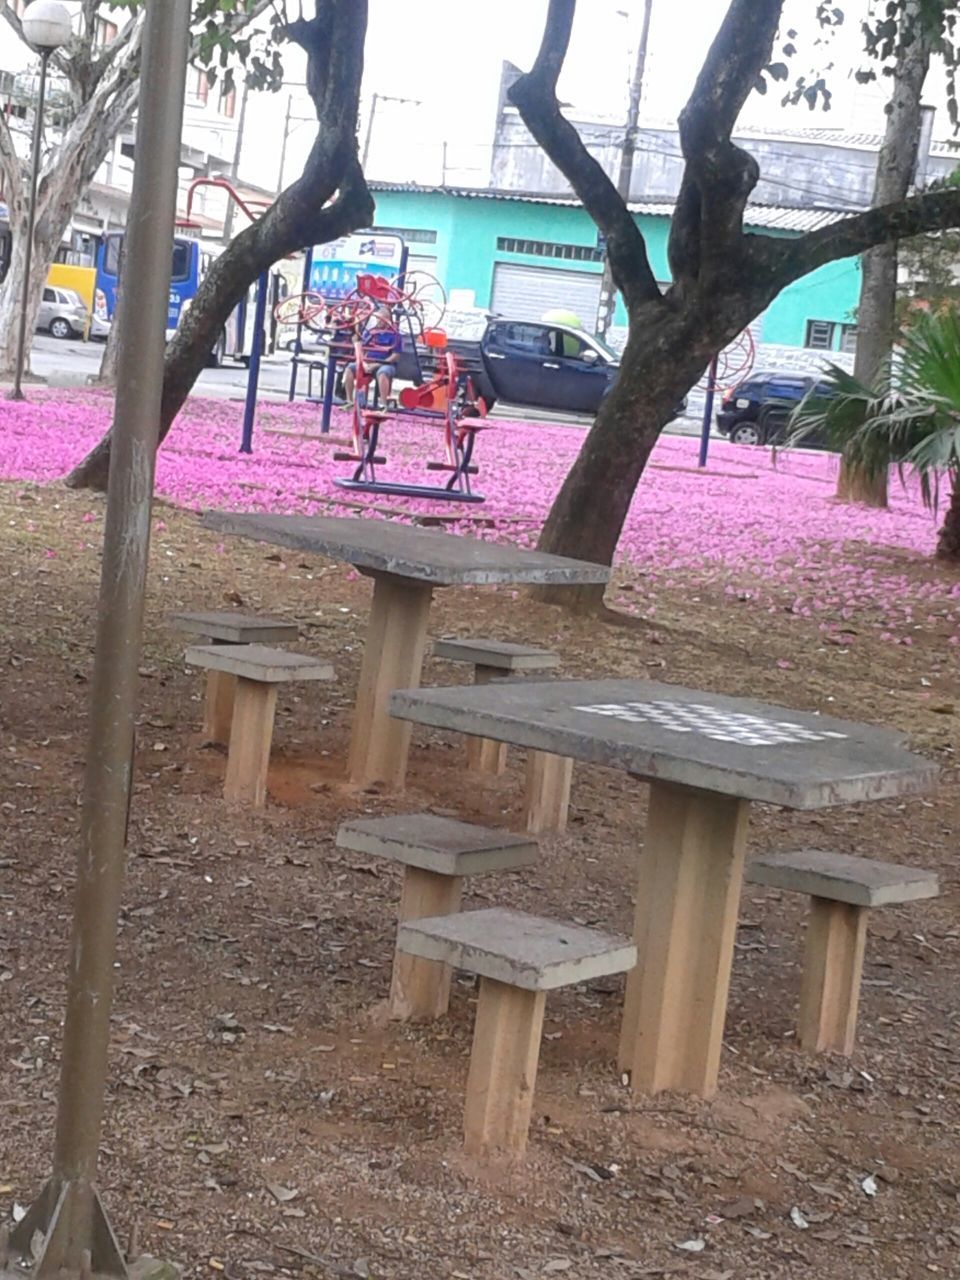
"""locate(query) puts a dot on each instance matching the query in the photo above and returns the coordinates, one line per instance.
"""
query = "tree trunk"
(948, 540)
(46, 242)
(589, 512)
(107, 373)
(856, 485)
(876, 315)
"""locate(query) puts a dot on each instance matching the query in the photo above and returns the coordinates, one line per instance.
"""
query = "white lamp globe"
(46, 24)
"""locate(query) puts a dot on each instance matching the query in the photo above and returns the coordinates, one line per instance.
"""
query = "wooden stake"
(688, 893)
(218, 707)
(392, 659)
(832, 971)
(421, 988)
(483, 754)
(503, 1070)
(547, 799)
(250, 738)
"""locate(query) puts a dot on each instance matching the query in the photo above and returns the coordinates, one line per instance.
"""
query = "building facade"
(522, 255)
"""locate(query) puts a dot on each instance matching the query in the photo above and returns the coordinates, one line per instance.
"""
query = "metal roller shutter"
(525, 293)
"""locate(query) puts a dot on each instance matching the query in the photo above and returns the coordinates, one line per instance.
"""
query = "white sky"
(413, 51)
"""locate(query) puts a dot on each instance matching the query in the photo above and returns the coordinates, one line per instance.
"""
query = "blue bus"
(191, 261)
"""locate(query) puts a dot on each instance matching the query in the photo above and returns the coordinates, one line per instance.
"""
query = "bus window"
(181, 260)
(111, 258)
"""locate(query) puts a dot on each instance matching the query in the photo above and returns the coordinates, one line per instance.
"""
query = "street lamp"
(46, 26)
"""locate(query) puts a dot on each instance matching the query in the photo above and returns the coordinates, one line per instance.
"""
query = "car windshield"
(607, 350)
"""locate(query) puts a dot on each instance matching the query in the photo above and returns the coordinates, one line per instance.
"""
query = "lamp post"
(46, 26)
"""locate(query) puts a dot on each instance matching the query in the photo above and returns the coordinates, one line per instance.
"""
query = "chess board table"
(707, 757)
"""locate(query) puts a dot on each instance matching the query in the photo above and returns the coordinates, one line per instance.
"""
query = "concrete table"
(406, 564)
(706, 757)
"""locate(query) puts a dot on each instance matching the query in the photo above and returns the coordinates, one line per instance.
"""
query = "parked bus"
(191, 261)
(190, 264)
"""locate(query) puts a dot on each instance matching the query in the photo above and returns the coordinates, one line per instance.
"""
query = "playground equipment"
(447, 397)
(260, 309)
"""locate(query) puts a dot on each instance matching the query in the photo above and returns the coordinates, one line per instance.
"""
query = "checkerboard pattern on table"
(712, 722)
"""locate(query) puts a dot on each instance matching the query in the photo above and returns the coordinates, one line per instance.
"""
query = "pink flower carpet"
(764, 529)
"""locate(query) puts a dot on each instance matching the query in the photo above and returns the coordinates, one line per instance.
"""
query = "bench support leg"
(688, 893)
(250, 737)
(421, 988)
(218, 707)
(503, 1070)
(832, 970)
(547, 799)
(483, 754)
(392, 659)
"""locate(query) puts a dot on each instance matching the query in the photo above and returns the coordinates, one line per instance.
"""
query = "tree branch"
(719, 175)
(7, 12)
(535, 96)
(10, 169)
(330, 199)
(853, 234)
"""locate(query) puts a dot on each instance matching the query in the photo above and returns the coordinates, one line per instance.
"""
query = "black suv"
(758, 410)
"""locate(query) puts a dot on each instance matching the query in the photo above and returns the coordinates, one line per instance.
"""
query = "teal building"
(520, 255)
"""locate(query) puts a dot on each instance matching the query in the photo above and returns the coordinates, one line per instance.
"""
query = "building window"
(550, 249)
(104, 34)
(412, 235)
(848, 338)
(202, 87)
(228, 103)
(820, 335)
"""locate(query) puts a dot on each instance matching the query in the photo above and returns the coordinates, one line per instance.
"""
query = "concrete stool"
(842, 891)
(227, 627)
(436, 854)
(257, 670)
(519, 959)
(492, 660)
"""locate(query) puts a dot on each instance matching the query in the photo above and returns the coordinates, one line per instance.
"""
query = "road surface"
(70, 363)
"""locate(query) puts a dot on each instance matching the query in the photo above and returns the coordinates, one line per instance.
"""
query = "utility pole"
(381, 97)
(235, 166)
(608, 292)
(66, 1232)
(283, 148)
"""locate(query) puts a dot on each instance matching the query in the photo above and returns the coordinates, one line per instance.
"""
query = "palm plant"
(913, 422)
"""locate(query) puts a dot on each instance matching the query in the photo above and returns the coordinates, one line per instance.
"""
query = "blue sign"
(334, 267)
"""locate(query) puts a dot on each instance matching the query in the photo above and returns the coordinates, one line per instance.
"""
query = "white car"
(63, 313)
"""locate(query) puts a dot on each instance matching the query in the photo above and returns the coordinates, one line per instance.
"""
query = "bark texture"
(876, 315)
(328, 200)
(948, 540)
(722, 277)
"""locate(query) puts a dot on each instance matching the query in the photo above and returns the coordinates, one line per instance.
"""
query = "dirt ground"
(262, 1119)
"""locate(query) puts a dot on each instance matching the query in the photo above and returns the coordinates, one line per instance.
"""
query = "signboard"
(334, 267)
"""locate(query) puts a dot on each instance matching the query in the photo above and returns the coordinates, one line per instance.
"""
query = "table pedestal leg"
(503, 1070)
(392, 659)
(547, 799)
(251, 733)
(218, 707)
(484, 755)
(687, 898)
(832, 971)
(421, 988)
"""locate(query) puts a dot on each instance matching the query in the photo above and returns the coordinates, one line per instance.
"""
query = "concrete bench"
(227, 627)
(843, 889)
(519, 958)
(547, 797)
(436, 854)
(257, 671)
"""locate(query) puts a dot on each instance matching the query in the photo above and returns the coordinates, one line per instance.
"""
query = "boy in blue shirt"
(381, 351)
